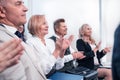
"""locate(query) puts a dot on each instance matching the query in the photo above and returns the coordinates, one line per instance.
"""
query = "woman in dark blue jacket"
(91, 51)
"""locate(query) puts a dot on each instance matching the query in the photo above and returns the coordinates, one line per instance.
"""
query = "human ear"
(2, 12)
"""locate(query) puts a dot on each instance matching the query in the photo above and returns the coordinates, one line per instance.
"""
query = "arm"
(81, 47)
(104, 52)
(45, 58)
(51, 46)
(100, 54)
(74, 55)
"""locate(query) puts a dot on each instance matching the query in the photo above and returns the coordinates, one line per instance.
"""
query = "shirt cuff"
(68, 58)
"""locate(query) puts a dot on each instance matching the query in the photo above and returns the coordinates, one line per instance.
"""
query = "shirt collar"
(10, 28)
(57, 36)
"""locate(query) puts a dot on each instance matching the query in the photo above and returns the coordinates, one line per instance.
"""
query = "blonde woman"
(91, 50)
(38, 27)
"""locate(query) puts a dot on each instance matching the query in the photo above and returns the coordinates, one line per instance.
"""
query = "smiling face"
(13, 12)
(62, 29)
(43, 29)
(37, 25)
(86, 30)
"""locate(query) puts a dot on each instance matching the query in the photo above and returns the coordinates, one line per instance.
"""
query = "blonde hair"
(35, 23)
(81, 33)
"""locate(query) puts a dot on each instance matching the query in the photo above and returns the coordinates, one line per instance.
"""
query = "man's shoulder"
(53, 38)
(4, 35)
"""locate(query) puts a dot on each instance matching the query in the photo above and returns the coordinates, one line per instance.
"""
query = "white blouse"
(95, 57)
(45, 57)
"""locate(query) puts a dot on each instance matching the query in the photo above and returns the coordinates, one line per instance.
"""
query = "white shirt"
(27, 68)
(66, 58)
(10, 28)
(95, 57)
(45, 57)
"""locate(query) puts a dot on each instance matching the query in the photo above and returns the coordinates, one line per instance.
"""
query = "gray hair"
(2, 2)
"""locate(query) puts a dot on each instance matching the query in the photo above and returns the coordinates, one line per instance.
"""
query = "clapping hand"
(78, 55)
(97, 47)
(10, 53)
(107, 49)
(62, 44)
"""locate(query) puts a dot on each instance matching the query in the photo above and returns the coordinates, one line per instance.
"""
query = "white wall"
(75, 12)
(110, 20)
(78, 12)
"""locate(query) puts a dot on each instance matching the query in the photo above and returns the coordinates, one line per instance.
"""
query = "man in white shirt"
(60, 29)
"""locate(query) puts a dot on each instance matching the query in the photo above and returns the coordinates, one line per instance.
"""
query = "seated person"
(21, 29)
(12, 16)
(38, 27)
(91, 50)
(60, 29)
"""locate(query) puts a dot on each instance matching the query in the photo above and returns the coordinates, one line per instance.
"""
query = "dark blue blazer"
(88, 61)
(116, 55)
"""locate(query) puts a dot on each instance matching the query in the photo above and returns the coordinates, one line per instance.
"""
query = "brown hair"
(57, 23)
(34, 24)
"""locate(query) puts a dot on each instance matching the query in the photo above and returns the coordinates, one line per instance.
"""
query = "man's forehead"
(62, 23)
(13, 1)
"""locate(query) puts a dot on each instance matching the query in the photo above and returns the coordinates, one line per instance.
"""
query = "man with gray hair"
(12, 15)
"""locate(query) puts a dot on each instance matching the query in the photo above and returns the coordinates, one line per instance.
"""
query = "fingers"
(13, 61)
(82, 57)
(11, 49)
(58, 44)
(78, 55)
(74, 55)
(98, 45)
(8, 63)
(17, 51)
(107, 49)
(10, 45)
(62, 44)
(71, 37)
(62, 53)
(10, 53)
(6, 44)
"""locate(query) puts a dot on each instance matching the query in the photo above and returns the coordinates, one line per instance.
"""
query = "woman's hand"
(107, 49)
(78, 55)
(97, 47)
